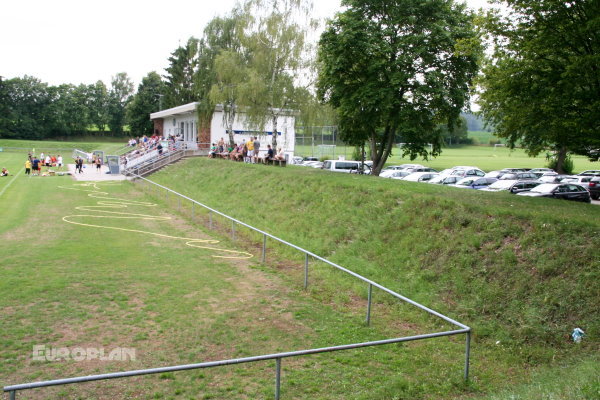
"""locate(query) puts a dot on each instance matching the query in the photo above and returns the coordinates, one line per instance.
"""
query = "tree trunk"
(230, 119)
(274, 140)
(560, 160)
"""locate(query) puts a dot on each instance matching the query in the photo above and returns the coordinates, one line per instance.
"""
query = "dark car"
(594, 188)
(474, 183)
(566, 191)
(511, 186)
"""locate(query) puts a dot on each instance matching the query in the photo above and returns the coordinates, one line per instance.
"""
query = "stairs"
(153, 163)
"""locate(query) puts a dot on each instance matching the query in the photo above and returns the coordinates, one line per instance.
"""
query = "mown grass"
(83, 286)
(85, 143)
(521, 271)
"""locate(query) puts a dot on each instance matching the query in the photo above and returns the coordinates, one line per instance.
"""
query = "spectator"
(250, 147)
(28, 166)
(268, 155)
(256, 149)
(280, 156)
(4, 172)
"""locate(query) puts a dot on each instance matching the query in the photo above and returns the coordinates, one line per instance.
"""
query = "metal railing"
(463, 329)
(154, 163)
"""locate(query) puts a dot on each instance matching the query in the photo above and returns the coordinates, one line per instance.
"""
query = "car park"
(565, 191)
(401, 166)
(552, 178)
(512, 186)
(541, 171)
(474, 182)
(421, 169)
(420, 176)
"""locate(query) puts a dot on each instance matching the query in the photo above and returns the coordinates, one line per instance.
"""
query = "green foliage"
(273, 35)
(119, 96)
(144, 102)
(180, 77)
(567, 164)
(541, 87)
(397, 69)
(98, 105)
(456, 134)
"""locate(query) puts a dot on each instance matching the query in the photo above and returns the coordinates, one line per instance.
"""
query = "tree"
(179, 80)
(398, 68)
(273, 33)
(144, 102)
(457, 134)
(118, 97)
(218, 83)
(27, 107)
(541, 87)
(231, 71)
(98, 105)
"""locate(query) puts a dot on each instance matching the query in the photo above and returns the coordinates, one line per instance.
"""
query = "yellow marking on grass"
(106, 204)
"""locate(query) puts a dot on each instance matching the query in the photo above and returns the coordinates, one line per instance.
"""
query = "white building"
(183, 120)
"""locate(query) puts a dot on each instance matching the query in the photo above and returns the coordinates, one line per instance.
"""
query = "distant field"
(84, 143)
(483, 137)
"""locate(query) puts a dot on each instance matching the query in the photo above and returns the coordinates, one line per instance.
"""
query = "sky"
(78, 41)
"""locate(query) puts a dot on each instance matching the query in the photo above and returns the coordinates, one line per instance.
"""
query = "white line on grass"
(10, 183)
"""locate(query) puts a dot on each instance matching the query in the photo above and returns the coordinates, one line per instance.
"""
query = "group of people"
(33, 165)
(246, 151)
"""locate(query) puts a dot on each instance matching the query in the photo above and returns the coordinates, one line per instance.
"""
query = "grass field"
(521, 272)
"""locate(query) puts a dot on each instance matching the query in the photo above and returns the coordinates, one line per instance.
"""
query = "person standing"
(256, 149)
(250, 146)
(59, 162)
(36, 166)
(28, 167)
(98, 163)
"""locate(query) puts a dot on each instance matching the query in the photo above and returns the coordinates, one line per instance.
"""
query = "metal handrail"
(464, 329)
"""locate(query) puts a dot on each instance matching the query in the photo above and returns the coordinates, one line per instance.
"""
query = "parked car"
(445, 180)
(394, 173)
(566, 191)
(583, 180)
(420, 176)
(493, 174)
(513, 170)
(590, 172)
(512, 186)
(401, 166)
(346, 166)
(541, 171)
(474, 183)
(552, 178)
(467, 171)
(520, 176)
(420, 169)
(594, 188)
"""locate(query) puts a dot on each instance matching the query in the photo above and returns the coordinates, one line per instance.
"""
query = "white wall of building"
(285, 126)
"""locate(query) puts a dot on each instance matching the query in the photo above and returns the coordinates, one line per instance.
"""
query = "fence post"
(369, 304)
(467, 354)
(277, 378)
(13, 394)
(232, 230)
(264, 250)
(306, 271)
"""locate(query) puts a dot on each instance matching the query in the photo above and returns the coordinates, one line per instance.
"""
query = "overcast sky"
(78, 41)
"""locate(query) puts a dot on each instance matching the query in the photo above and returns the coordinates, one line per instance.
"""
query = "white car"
(420, 176)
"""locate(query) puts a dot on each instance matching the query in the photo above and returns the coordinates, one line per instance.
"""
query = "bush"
(568, 166)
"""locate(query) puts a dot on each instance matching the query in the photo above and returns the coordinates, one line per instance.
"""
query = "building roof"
(184, 109)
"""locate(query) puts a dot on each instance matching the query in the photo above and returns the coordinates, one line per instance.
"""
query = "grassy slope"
(523, 272)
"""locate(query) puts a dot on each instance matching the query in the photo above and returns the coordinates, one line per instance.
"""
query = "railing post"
(277, 378)
(13, 394)
(306, 270)
(467, 354)
(264, 250)
(369, 304)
